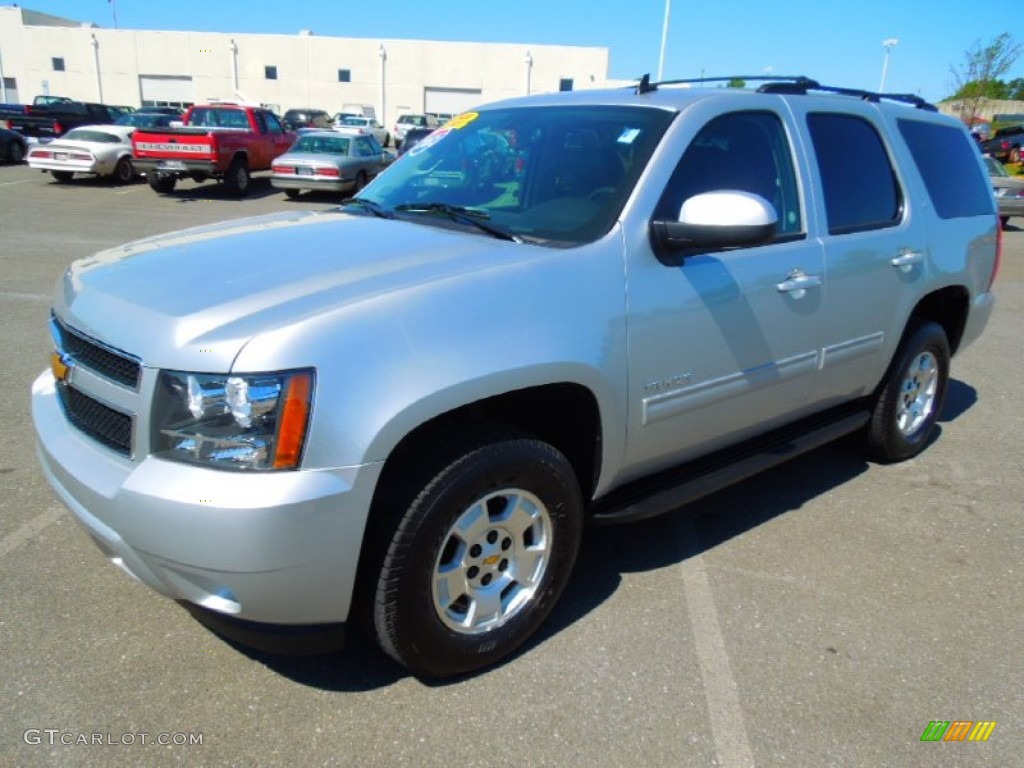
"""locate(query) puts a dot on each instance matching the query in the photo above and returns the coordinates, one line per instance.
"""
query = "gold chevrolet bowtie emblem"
(61, 367)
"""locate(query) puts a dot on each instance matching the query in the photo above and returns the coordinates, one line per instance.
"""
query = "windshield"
(355, 121)
(995, 168)
(333, 145)
(557, 175)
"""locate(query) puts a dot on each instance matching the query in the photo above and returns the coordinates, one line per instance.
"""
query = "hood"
(190, 300)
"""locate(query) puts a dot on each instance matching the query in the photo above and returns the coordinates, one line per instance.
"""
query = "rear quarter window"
(859, 185)
(949, 166)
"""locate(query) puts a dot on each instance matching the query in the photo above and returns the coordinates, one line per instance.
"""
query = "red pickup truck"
(216, 141)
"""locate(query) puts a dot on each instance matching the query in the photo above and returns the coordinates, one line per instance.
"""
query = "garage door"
(451, 101)
(166, 90)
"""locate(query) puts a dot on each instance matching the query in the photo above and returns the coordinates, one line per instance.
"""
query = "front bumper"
(275, 548)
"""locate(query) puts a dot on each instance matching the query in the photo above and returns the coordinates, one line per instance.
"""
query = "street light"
(888, 44)
(664, 41)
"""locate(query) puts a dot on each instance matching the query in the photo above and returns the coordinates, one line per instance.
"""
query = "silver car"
(363, 126)
(1009, 190)
(97, 150)
(330, 162)
(590, 306)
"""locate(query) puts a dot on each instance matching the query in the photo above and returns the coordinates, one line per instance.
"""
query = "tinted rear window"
(860, 186)
(949, 166)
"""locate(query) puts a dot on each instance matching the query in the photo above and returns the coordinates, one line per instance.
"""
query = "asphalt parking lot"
(821, 614)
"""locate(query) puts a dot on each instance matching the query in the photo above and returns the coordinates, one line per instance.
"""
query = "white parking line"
(12, 183)
(728, 730)
(4, 295)
(32, 528)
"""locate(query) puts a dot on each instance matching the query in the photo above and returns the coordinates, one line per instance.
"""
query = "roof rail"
(791, 84)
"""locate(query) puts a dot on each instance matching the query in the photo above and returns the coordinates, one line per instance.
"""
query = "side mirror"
(714, 221)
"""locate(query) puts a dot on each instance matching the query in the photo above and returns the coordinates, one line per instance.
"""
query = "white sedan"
(100, 150)
(363, 126)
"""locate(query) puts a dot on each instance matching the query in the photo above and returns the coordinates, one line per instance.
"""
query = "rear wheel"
(15, 152)
(62, 177)
(908, 404)
(237, 179)
(160, 183)
(291, 194)
(124, 172)
(481, 551)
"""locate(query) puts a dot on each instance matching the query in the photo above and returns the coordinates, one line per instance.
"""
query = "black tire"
(237, 180)
(124, 171)
(360, 183)
(910, 398)
(15, 152)
(522, 561)
(1004, 220)
(291, 194)
(62, 177)
(160, 183)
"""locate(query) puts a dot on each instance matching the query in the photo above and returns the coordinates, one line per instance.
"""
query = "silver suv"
(591, 306)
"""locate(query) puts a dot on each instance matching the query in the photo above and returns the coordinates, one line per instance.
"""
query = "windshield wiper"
(471, 216)
(369, 206)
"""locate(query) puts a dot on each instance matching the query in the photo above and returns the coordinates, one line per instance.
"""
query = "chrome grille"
(99, 421)
(106, 361)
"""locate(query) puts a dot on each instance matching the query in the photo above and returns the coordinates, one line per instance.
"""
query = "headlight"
(258, 421)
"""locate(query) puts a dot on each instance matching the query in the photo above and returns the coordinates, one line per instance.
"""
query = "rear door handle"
(907, 260)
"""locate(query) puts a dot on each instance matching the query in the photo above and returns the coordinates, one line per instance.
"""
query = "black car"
(413, 137)
(13, 146)
(294, 119)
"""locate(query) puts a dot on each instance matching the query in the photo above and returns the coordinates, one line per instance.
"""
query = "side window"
(273, 124)
(363, 147)
(746, 151)
(261, 123)
(858, 181)
(949, 166)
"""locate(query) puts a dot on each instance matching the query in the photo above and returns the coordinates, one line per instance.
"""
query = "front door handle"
(797, 282)
(907, 259)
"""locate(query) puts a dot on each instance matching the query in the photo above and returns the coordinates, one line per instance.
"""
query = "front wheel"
(910, 399)
(479, 556)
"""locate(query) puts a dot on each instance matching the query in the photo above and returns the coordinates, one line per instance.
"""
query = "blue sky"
(838, 42)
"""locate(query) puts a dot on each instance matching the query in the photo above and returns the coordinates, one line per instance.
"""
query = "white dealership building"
(43, 54)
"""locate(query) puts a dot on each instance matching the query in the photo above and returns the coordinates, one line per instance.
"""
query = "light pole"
(528, 61)
(664, 41)
(889, 43)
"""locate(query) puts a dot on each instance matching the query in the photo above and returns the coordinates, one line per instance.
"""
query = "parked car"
(294, 119)
(364, 126)
(391, 413)
(98, 150)
(406, 122)
(140, 119)
(1006, 144)
(329, 161)
(161, 111)
(47, 119)
(13, 146)
(413, 136)
(1009, 190)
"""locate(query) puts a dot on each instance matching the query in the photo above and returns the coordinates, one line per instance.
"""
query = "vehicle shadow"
(608, 553)
(188, 191)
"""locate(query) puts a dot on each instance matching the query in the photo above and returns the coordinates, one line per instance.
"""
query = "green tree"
(978, 77)
(736, 83)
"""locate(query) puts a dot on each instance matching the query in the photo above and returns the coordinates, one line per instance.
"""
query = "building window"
(270, 72)
(58, 63)
(565, 84)
(344, 75)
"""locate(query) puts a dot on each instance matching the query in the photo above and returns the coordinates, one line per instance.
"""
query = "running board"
(671, 489)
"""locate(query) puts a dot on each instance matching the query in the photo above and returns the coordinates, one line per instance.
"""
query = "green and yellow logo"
(958, 730)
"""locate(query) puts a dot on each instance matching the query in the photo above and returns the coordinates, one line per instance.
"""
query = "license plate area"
(172, 165)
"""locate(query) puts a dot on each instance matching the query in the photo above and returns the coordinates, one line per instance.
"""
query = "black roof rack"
(790, 84)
